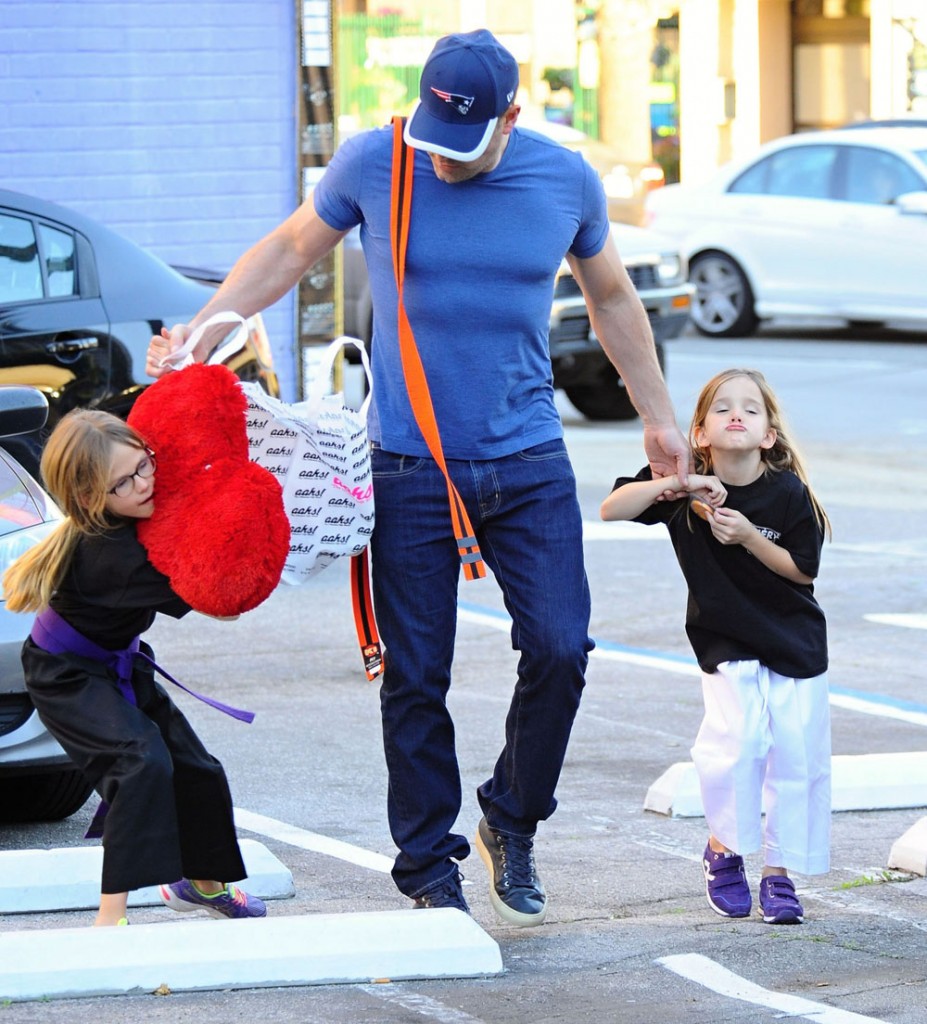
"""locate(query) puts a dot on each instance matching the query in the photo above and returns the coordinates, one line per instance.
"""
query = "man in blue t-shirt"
(495, 209)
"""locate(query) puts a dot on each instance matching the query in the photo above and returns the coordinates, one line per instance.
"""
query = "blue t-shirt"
(480, 268)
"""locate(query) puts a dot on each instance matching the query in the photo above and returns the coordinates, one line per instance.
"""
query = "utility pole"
(626, 40)
(319, 314)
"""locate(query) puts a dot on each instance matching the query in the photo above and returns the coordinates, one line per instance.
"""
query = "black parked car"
(78, 305)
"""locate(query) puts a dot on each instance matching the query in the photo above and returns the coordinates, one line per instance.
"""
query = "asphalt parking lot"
(630, 937)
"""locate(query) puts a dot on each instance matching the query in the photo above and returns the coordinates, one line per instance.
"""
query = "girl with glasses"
(167, 805)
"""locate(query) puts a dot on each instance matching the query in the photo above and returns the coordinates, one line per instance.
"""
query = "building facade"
(753, 70)
(184, 125)
(173, 123)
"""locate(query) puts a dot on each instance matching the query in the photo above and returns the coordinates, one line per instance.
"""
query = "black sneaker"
(515, 890)
(446, 893)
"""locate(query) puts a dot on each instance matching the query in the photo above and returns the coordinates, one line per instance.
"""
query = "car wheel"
(606, 398)
(49, 796)
(723, 302)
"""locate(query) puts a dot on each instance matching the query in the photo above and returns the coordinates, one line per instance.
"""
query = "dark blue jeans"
(525, 513)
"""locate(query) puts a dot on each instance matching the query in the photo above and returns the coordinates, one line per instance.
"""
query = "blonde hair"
(783, 455)
(75, 468)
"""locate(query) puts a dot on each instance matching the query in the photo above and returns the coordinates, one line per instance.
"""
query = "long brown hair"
(75, 468)
(783, 455)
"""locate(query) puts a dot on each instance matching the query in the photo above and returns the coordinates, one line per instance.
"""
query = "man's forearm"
(621, 324)
(623, 330)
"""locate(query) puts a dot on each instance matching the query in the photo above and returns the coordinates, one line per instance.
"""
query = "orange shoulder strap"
(423, 410)
(416, 382)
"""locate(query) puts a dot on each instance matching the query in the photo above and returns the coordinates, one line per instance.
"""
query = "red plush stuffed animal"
(219, 530)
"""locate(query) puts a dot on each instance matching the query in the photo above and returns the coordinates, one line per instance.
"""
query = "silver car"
(37, 780)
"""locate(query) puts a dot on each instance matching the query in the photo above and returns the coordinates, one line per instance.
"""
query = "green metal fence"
(586, 111)
(374, 79)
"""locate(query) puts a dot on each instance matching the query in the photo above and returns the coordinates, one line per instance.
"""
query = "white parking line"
(417, 1003)
(306, 840)
(900, 549)
(908, 621)
(670, 846)
(710, 975)
(620, 530)
(884, 709)
(853, 903)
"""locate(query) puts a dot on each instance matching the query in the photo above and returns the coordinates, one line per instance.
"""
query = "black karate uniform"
(170, 808)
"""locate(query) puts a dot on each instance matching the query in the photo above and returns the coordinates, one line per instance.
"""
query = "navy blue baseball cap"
(468, 81)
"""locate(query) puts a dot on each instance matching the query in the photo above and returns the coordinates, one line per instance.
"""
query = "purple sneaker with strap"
(230, 902)
(726, 883)
(778, 902)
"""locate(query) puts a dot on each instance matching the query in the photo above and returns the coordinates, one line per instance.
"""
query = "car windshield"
(921, 155)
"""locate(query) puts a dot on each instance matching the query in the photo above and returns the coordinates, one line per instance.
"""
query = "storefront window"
(831, 8)
(664, 97)
(831, 61)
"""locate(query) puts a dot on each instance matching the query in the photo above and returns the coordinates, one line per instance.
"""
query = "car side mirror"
(912, 203)
(22, 410)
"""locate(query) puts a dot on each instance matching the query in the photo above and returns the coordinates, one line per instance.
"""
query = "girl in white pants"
(748, 531)
(765, 742)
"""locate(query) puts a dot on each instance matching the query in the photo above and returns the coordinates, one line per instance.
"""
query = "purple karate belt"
(53, 634)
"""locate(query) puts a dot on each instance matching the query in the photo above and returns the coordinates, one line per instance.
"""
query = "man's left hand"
(668, 454)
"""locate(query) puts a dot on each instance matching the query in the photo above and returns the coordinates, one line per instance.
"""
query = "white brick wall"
(173, 123)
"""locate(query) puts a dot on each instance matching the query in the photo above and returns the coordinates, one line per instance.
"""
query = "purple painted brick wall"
(173, 123)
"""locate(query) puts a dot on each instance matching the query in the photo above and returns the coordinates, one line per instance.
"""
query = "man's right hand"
(162, 345)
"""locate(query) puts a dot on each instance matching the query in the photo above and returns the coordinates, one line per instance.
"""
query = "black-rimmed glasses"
(126, 485)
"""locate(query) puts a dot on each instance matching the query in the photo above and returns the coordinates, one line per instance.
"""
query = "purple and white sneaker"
(726, 883)
(778, 902)
(231, 902)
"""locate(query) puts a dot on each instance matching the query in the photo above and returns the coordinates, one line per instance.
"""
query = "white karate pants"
(764, 744)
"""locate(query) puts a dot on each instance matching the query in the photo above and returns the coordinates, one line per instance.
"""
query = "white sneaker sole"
(717, 910)
(504, 911)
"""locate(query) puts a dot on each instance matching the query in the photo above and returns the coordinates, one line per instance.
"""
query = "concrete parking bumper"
(255, 953)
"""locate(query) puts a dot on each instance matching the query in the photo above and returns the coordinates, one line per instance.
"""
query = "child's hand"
(706, 494)
(673, 490)
(709, 489)
(730, 527)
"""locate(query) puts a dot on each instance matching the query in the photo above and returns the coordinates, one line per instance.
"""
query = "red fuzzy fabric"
(219, 531)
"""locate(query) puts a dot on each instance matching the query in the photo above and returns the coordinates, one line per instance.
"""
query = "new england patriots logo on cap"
(461, 104)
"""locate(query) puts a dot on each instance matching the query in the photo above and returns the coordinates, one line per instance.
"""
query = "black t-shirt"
(738, 609)
(111, 592)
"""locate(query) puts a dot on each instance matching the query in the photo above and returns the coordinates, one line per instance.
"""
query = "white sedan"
(822, 225)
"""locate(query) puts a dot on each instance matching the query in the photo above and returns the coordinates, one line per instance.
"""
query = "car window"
(58, 253)
(874, 176)
(20, 274)
(17, 509)
(803, 171)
